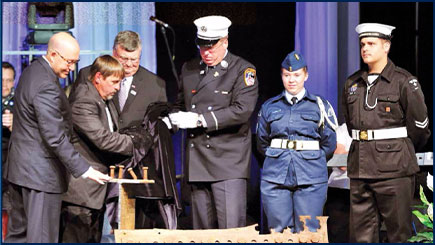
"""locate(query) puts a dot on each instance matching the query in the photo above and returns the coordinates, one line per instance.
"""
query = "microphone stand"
(174, 72)
(171, 57)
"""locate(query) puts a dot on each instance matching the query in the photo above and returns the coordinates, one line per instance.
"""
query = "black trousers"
(80, 224)
(337, 209)
(34, 216)
(219, 204)
(150, 214)
(376, 200)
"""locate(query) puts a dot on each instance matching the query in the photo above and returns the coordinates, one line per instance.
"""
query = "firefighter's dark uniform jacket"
(226, 96)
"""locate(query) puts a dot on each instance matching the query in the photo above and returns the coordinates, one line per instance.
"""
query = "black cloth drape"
(155, 151)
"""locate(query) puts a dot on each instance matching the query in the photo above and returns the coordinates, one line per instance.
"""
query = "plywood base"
(239, 235)
(126, 203)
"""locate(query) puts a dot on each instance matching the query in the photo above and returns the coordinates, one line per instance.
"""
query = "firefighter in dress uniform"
(387, 119)
(218, 93)
(296, 133)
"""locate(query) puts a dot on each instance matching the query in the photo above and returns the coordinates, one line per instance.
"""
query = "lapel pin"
(216, 74)
(224, 64)
(133, 92)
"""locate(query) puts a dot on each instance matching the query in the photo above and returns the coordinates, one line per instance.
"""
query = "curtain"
(327, 44)
(14, 28)
(95, 27)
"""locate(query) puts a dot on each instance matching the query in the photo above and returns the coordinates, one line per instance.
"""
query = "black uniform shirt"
(399, 102)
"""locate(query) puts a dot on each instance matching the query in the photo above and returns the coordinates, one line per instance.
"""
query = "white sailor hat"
(374, 30)
(211, 29)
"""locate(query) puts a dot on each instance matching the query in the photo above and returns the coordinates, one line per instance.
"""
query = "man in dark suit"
(138, 89)
(41, 155)
(8, 81)
(219, 93)
(96, 123)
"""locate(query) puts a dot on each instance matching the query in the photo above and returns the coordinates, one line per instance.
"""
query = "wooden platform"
(239, 235)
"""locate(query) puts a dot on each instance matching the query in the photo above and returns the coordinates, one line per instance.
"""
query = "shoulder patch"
(413, 83)
(353, 88)
(249, 76)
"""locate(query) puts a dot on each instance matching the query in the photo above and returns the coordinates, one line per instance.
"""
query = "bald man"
(41, 155)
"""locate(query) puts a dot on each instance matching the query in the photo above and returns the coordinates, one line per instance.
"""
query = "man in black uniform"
(387, 118)
(219, 93)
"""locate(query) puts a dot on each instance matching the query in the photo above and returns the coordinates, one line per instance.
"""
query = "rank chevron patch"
(422, 124)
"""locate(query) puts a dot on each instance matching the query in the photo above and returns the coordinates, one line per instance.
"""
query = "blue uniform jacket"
(279, 119)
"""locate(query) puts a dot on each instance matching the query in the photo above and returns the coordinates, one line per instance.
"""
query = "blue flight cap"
(294, 61)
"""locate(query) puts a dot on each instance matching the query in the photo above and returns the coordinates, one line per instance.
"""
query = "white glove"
(185, 119)
(167, 122)
(175, 117)
(96, 176)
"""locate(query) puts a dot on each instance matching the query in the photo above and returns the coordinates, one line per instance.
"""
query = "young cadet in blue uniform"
(387, 118)
(295, 132)
(218, 92)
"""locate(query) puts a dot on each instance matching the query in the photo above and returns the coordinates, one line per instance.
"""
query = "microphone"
(152, 18)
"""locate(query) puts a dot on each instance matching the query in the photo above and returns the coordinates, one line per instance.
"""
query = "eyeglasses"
(126, 59)
(69, 62)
